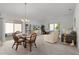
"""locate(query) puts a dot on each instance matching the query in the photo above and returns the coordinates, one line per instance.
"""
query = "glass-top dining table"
(24, 36)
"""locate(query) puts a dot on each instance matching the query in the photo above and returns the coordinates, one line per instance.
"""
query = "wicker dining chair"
(31, 40)
(17, 41)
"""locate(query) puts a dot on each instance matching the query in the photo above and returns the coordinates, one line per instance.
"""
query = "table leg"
(24, 44)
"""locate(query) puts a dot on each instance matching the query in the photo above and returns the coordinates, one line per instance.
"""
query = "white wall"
(66, 22)
(2, 29)
(76, 16)
(13, 19)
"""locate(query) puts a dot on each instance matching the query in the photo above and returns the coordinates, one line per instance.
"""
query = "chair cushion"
(20, 40)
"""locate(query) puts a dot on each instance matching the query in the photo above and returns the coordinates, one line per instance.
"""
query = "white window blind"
(17, 27)
(12, 27)
(8, 27)
(51, 27)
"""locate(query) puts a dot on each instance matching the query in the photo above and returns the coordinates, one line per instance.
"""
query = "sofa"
(69, 37)
(52, 37)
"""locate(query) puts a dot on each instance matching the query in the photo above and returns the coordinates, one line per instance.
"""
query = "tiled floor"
(43, 48)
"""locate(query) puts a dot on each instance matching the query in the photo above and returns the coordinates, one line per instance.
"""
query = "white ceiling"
(38, 11)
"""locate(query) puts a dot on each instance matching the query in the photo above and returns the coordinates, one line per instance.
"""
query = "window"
(54, 27)
(8, 27)
(12, 27)
(51, 27)
(17, 27)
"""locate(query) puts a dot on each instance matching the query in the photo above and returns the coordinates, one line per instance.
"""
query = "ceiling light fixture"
(25, 19)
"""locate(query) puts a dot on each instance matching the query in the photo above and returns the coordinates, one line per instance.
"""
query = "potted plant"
(36, 28)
